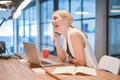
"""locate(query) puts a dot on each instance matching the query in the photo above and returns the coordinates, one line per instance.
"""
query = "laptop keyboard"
(44, 62)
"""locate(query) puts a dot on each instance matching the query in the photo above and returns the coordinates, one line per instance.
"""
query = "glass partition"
(113, 28)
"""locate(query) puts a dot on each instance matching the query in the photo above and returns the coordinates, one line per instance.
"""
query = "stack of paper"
(39, 70)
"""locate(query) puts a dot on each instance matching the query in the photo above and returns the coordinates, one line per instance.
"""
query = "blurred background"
(29, 21)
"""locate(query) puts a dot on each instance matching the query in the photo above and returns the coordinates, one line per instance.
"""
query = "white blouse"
(90, 57)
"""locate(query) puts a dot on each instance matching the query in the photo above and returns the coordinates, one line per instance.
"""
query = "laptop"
(34, 57)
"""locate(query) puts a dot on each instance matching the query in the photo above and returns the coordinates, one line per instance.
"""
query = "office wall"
(100, 36)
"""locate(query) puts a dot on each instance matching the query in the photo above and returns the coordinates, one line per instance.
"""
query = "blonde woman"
(76, 47)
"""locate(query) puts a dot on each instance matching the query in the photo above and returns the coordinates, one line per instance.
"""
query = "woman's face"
(58, 22)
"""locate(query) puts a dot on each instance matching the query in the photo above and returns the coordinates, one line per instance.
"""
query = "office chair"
(3, 50)
(110, 64)
(2, 47)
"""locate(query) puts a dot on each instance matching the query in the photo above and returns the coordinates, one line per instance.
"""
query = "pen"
(58, 33)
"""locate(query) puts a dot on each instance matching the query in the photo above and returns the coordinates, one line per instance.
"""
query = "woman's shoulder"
(76, 32)
(73, 30)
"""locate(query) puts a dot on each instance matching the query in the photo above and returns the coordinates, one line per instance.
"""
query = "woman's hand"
(60, 51)
(71, 59)
(57, 36)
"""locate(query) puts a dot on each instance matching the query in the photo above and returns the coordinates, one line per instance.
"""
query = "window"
(113, 28)
(27, 27)
(84, 17)
(89, 28)
(63, 4)
(47, 39)
(6, 34)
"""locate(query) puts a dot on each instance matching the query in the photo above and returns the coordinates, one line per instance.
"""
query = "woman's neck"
(66, 31)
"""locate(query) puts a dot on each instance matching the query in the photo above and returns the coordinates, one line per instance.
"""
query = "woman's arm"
(78, 45)
(60, 51)
(85, 34)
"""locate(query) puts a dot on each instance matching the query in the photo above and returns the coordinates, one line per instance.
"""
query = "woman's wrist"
(73, 60)
(57, 42)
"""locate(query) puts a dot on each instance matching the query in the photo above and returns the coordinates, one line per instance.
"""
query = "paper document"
(39, 70)
(75, 70)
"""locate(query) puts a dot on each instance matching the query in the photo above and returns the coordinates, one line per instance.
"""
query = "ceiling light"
(20, 8)
(115, 11)
(4, 2)
(116, 6)
(23, 4)
(16, 14)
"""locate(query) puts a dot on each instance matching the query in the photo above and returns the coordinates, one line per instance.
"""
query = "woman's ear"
(66, 20)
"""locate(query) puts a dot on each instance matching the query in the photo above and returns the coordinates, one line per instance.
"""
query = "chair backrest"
(109, 63)
(2, 47)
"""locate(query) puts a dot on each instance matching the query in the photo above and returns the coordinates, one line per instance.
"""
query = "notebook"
(34, 57)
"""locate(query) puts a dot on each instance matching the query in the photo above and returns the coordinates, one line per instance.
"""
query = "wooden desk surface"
(11, 69)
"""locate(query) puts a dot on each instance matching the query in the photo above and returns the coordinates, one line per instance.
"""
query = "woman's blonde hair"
(65, 14)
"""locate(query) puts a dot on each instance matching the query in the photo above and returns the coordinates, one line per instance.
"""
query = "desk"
(101, 75)
(11, 69)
